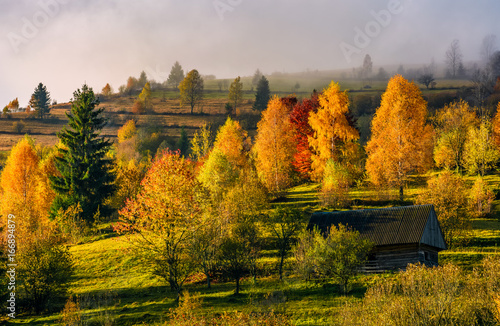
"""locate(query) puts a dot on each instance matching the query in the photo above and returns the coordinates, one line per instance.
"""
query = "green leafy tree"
(284, 224)
(176, 75)
(191, 89)
(340, 254)
(40, 101)
(46, 268)
(262, 95)
(238, 252)
(85, 176)
(235, 95)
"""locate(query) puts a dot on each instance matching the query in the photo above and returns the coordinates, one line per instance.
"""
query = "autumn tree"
(129, 174)
(235, 190)
(480, 153)
(131, 85)
(143, 102)
(401, 141)
(202, 142)
(127, 131)
(191, 89)
(107, 90)
(275, 146)
(19, 186)
(299, 117)
(13, 105)
(85, 176)
(232, 140)
(221, 170)
(166, 212)
(334, 135)
(235, 95)
(448, 193)
(262, 95)
(40, 101)
(452, 126)
(176, 75)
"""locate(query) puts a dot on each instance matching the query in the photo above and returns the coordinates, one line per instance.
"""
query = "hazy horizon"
(65, 43)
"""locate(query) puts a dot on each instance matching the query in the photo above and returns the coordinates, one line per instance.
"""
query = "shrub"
(45, 268)
(18, 126)
(431, 296)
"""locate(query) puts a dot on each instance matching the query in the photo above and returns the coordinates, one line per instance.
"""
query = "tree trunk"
(281, 265)
(208, 281)
(237, 286)
(401, 193)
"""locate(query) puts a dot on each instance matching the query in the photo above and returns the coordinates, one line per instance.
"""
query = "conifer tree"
(85, 173)
(40, 101)
(262, 95)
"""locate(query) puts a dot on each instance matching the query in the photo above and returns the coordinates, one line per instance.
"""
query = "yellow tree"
(275, 146)
(127, 131)
(401, 141)
(452, 124)
(480, 152)
(333, 132)
(233, 142)
(21, 182)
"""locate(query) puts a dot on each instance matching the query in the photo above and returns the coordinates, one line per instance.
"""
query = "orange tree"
(334, 134)
(165, 213)
(401, 141)
(275, 146)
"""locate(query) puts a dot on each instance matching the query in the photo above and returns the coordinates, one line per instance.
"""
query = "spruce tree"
(85, 173)
(263, 95)
(40, 101)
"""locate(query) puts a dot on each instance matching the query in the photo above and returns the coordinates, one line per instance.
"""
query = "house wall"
(398, 258)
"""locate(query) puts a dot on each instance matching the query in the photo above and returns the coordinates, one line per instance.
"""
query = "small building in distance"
(401, 235)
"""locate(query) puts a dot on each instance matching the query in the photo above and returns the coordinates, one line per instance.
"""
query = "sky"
(66, 43)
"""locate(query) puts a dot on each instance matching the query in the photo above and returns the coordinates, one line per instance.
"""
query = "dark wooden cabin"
(401, 235)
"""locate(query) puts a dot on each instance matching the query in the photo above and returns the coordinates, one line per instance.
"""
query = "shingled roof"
(387, 226)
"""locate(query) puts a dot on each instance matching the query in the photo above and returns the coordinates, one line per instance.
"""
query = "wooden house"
(401, 235)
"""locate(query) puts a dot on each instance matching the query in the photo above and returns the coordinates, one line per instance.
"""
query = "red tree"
(300, 119)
